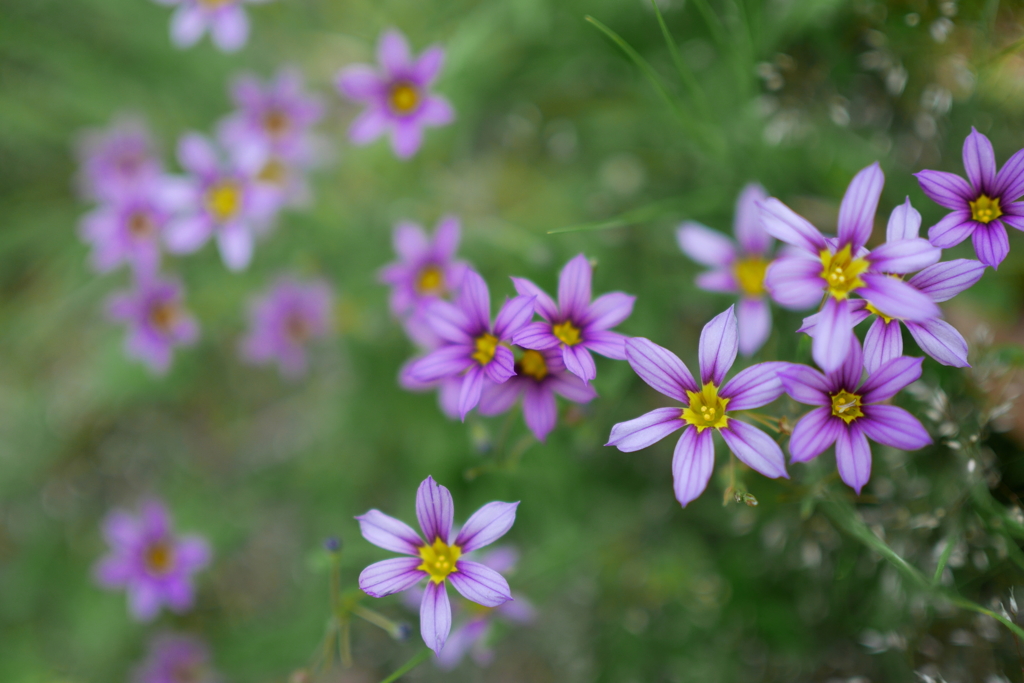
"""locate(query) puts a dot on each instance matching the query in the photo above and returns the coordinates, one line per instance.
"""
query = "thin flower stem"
(770, 422)
(943, 559)
(377, 619)
(409, 666)
(685, 74)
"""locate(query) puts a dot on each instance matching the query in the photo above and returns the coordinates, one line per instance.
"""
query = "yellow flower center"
(404, 97)
(224, 200)
(140, 225)
(159, 558)
(871, 308)
(985, 209)
(749, 274)
(706, 409)
(439, 560)
(273, 172)
(486, 345)
(430, 281)
(567, 333)
(532, 364)
(276, 122)
(842, 272)
(846, 406)
(163, 315)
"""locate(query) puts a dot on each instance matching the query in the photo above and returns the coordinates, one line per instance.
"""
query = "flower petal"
(434, 510)
(755, 449)
(486, 526)
(513, 316)
(572, 388)
(574, 288)
(235, 243)
(719, 343)
(704, 245)
(747, 227)
(660, 369)
(579, 362)
(391, 576)
(608, 310)
(894, 427)
(428, 65)
(980, 162)
(539, 410)
(645, 430)
(953, 229)
(943, 281)
(904, 255)
(813, 433)
(608, 344)
(543, 303)
(890, 378)
(755, 324)
(804, 384)
(446, 361)
(785, 225)
(187, 25)
(991, 243)
(393, 53)
(853, 457)
(832, 334)
(359, 82)
(406, 138)
(719, 280)
(754, 387)
(795, 282)
(230, 29)
(945, 189)
(472, 386)
(897, 299)
(692, 464)
(436, 111)
(435, 616)
(197, 155)
(475, 302)
(389, 533)
(480, 584)
(904, 223)
(537, 336)
(857, 210)
(496, 398)
(367, 127)
(882, 343)
(941, 341)
(1010, 180)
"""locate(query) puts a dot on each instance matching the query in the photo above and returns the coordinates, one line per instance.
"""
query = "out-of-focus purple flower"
(225, 19)
(176, 658)
(540, 375)
(839, 268)
(705, 407)
(157, 320)
(471, 347)
(737, 268)
(150, 562)
(282, 322)
(220, 198)
(128, 229)
(278, 115)
(576, 325)
(439, 559)
(118, 161)
(426, 270)
(397, 95)
(982, 207)
(849, 412)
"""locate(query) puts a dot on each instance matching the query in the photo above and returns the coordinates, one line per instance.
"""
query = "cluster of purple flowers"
(226, 21)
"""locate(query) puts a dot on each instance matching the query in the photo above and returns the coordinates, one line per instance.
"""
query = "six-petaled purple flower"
(157, 321)
(226, 21)
(128, 229)
(118, 161)
(176, 658)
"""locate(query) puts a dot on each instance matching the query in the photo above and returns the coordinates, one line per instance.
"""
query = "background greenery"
(556, 128)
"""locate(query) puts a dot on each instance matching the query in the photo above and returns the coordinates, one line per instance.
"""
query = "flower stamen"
(985, 209)
(486, 346)
(404, 98)
(532, 364)
(567, 333)
(159, 558)
(749, 273)
(163, 315)
(430, 281)
(224, 199)
(846, 406)
(706, 409)
(841, 271)
(439, 560)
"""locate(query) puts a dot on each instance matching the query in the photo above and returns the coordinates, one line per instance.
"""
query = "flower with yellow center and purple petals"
(150, 562)
(705, 408)
(848, 412)
(841, 268)
(576, 325)
(127, 230)
(118, 162)
(982, 207)
(397, 95)
(157, 321)
(226, 21)
(439, 559)
(176, 658)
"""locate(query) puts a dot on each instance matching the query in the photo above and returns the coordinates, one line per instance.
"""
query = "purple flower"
(705, 407)
(150, 562)
(471, 347)
(226, 20)
(850, 412)
(175, 658)
(539, 376)
(157, 321)
(980, 207)
(426, 270)
(127, 230)
(117, 161)
(397, 96)
(736, 271)
(220, 198)
(278, 115)
(576, 325)
(439, 559)
(282, 322)
(842, 267)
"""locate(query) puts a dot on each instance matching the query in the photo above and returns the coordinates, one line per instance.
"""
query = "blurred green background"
(556, 128)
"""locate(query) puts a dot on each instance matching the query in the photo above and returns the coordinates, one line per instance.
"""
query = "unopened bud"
(332, 544)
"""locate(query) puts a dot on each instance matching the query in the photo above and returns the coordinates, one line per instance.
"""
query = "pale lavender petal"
(898, 299)
(502, 559)
(574, 288)
(120, 528)
(391, 576)
(235, 243)
(904, 223)
(187, 25)
(857, 210)
(904, 255)
(389, 533)
(475, 300)
(831, 343)
(435, 616)
(537, 336)
(847, 375)
(755, 324)
(436, 111)
(197, 155)
(513, 316)
(608, 344)
(1009, 183)
(143, 601)
(795, 283)
(945, 280)
(539, 410)
(367, 127)
(472, 386)
(446, 237)
(444, 362)
(393, 53)
(579, 362)
(882, 343)
(645, 430)
(114, 572)
(450, 322)
(486, 526)
(755, 449)
(1014, 220)
(813, 433)
(230, 28)
(518, 610)
(719, 343)
(410, 242)
(543, 303)
(754, 387)
(890, 378)
(945, 189)
(428, 65)
(953, 229)
(721, 280)
(448, 397)
(894, 427)
(853, 457)
(941, 341)
(608, 310)
(692, 464)
(991, 243)
(785, 225)
(496, 398)
(704, 245)
(660, 369)
(502, 366)
(747, 226)
(192, 553)
(571, 387)
(459, 643)
(434, 510)
(804, 384)
(980, 161)
(480, 584)
(359, 82)
(406, 138)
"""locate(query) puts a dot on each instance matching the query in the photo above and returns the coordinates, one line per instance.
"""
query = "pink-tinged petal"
(539, 410)
(853, 457)
(435, 616)
(393, 52)
(579, 362)
(645, 430)
(660, 369)
(120, 529)
(475, 300)
(513, 316)
(187, 25)
(719, 344)
(882, 343)
(945, 280)
(941, 341)
(446, 361)
(410, 242)
(197, 155)
(704, 245)
(537, 336)
(469, 395)
(832, 334)
(754, 387)
(608, 344)
(435, 112)
(114, 572)
(502, 559)
(480, 584)
(543, 303)
(692, 464)
(574, 288)
(178, 594)
(953, 229)
(156, 519)
(389, 533)
(144, 601)
(434, 510)
(428, 65)
(519, 610)
(897, 299)
(192, 553)
(608, 310)
(894, 427)
(236, 245)
(904, 255)
(446, 237)
(391, 576)
(857, 210)
(496, 398)
(755, 324)
(991, 243)
(747, 226)
(904, 223)
(755, 449)
(945, 189)
(813, 433)
(406, 139)
(804, 384)
(449, 322)
(795, 283)
(721, 280)
(230, 29)
(785, 225)
(847, 375)
(486, 526)
(572, 388)
(890, 378)
(502, 366)
(1010, 179)
(367, 127)
(461, 640)
(448, 397)
(980, 161)
(359, 82)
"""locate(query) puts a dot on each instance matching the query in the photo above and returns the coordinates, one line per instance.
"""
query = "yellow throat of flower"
(430, 280)
(871, 309)
(439, 560)
(706, 409)
(532, 364)
(985, 209)
(404, 98)
(846, 406)
(842, 272)
(163, 315)
(276, 122)
(486, 346)
(273, 172)
(749, 273)
(140, 225)
(159, 557)
(223, 200)
(567, 333)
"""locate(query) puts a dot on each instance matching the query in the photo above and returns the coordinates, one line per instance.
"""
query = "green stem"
(943, 559)
(377, 619)
(685, 74)
(409, 666)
